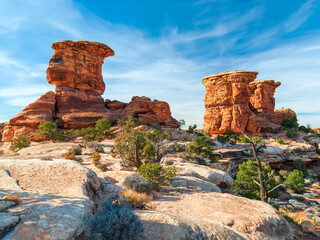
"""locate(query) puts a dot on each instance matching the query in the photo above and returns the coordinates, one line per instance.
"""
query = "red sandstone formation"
(149, 112)
(233, 98)
(76, 70)
(283, 113)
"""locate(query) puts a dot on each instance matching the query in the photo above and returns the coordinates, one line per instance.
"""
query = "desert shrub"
(12, 198)
(96, 158)
(19, 142)
(95, 145)
(228, 136)
(182, 123)
(70, 155)
(155, 100)
(191, 128)
(290, 123)
(77, 150)
(295, 181)
(130, 143)
(244, 140)
(100, 131)
(280, 141)
(256, 139)
(115, 220)
(101, 149)
(177, 147)
(306, 129)
(155, 147)
(292, 133)
(138, 183)
(247, 175)
(300, 165)
(137, 199)
(49, 130)
(113, 155)
(306, 139)
(200, 147)
(284, 174)
(157, 174)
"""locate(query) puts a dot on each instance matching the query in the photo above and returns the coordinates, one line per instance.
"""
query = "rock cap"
(96, 48)
(217, 75)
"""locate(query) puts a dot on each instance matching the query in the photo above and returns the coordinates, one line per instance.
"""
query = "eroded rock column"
(227, 100)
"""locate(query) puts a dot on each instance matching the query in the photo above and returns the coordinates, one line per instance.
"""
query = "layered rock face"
(76, 70)
(149, 112)
(234, 99)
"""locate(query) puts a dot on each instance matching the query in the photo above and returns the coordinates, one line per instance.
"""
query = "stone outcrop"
(234, 99)
(149, 112)
(76, 70)
(283, 113)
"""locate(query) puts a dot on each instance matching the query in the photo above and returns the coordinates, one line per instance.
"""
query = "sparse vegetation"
(306, 129)
(228, 136)
(12, 198)
(244, 140)
(290, 123)
(280, 141)
(96, 158)
(77, 150)
(115, 220)
(155, 146)
(292, 133)
(138, 183)
(256, 140)
(137, 199)
(306, 139)
(19, 142)
(157, 174)
(191, 128)
(100, 131)
(247, 181)
(182, 123)
(300, 165)
(199, 151)
(295, 181)
(101, 149)
(49, 130)
(70, 155)
(113, 155)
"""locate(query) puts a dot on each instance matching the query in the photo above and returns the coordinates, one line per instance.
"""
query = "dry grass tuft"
(12, 198)
(138, 200)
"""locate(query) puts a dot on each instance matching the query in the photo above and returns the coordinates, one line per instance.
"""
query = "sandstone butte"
(76, 70)
(234, 99)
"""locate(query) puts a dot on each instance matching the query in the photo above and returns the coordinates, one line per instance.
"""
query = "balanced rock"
(234, 99)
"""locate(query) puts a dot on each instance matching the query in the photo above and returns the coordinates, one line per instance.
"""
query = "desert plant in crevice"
(200, 152)
(100, 131)
(115, 220)
(50, 131)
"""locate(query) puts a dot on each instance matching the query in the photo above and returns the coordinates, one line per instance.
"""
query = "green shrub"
(191, 128)
(306, 139)
(115, 219)
(49, 130)
(244, 140)
(256, 140)
(200, 147)
(228, 136)
(157, 174)
(19, 142)
(177, 147)
(100, 131)
(70, 155)
(182, 123)
(138, 183)
(155, 147)
(292, 133)
(296, 181)
(300, 165)
(101, 149)
(306, 129)
(247, 174)
(280, 141)
(96, 158)
(290, 123)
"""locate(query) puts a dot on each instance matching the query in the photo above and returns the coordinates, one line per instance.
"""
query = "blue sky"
(163, 48)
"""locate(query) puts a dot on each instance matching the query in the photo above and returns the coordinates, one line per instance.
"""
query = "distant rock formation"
(76, 70)
(234, 97)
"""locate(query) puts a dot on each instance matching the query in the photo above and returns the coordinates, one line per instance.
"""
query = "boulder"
(256, 219)
(217, 177)
(7, 222)
(158, 226)
(195, 184)
(283, 113)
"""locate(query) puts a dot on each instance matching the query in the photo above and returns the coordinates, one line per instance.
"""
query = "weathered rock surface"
(284, 113)
(160, 226)
(217, 177)
(76, 70)
(58, 177)
(27, 121)
(255, 219)
(78, 65)
(149, 112)
(195, 184)
(7, 222)
(233, 98)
